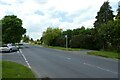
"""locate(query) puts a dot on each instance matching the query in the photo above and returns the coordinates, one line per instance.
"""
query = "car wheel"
(17, 49)
(10, 50)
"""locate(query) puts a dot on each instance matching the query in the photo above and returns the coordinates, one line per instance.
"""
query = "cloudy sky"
(37, 15)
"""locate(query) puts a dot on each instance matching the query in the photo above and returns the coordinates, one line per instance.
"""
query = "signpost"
(66, 41)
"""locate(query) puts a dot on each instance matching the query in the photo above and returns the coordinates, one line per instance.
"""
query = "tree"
(41, 40)
(0, 33)
(82, 41)
(26, 38)
(50, 35)
(104, 15)
(110, 34)
(59, 41)
(12, 29)
(118, 12)
(31, 40)
(75, 41)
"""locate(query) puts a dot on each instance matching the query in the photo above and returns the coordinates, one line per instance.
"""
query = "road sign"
(65, 36)
(66, 41)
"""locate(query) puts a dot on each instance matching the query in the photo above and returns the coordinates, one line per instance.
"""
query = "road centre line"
(25, 59)
(68, 58)
(18, 52)
(100, 68)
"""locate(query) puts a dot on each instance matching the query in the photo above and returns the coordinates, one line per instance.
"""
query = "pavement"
(46, 62)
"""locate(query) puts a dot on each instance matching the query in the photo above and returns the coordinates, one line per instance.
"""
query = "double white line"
(25, 59)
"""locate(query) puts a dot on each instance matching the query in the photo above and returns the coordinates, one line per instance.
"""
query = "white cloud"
(37, 15)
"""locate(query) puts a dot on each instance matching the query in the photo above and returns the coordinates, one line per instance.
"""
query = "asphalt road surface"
(51, 63)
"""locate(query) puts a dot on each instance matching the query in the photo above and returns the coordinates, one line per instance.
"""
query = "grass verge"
(15, 70)
(62, 48)
(106, 54)
(0, 69)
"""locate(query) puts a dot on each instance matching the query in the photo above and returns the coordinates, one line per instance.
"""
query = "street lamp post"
(66, 41)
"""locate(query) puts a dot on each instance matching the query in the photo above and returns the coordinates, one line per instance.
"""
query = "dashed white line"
(101, 68)
(68, 58)
(25, 59)
(18, 52)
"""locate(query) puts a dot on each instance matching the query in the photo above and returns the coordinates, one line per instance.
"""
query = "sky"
(38, 15)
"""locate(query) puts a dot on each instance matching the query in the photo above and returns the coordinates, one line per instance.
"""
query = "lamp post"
(66, 41)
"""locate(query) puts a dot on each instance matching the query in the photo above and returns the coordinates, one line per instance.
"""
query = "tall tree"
(118, 11)
(0, 33)
(50, 35)
(12, 29)
(104, 15)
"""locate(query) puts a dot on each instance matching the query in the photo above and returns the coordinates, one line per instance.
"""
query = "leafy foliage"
(25, 38)
(12, 29)
(104, 15)
(118, 12)
(104, 35)
(110, 34)
(50, 35)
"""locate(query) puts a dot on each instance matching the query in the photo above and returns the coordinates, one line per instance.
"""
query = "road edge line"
(25, 59)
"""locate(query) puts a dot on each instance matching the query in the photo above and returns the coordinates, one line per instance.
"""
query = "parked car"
(19, 45)
(13, 47)
(5, 48)
(8, 48)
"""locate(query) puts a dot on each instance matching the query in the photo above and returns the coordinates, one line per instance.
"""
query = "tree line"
(105, 33)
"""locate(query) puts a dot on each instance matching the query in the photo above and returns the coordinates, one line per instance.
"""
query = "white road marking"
(25, 59)
(101, 68)
(68, 58)
(18, 52)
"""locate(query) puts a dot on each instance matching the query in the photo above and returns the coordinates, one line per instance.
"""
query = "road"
(51, 63)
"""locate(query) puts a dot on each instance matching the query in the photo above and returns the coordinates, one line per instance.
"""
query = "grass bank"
(0, 69)
(63, 48)
(106, 54)
(15, 70)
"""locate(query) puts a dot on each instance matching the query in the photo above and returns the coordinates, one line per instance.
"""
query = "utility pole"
(66, 41)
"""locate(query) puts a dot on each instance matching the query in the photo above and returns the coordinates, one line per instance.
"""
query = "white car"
(5, 48)
(20, 45)
(13, 47)
(8, 48)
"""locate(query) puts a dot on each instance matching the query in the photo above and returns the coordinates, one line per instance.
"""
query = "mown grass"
(0, 69)
(106, 54)
(15, 70)
(63, 48)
